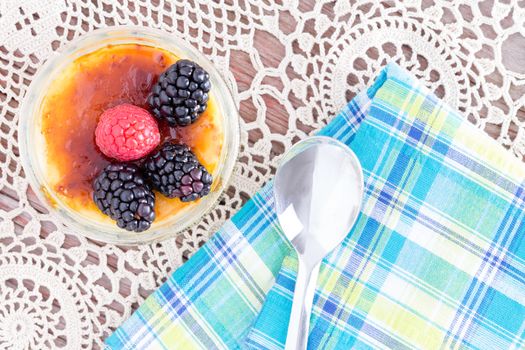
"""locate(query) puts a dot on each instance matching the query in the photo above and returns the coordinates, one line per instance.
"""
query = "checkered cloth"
(436, 259)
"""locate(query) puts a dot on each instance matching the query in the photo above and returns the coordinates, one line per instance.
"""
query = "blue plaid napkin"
(436, 259)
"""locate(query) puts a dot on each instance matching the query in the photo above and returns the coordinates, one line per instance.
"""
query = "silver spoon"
(318, 191)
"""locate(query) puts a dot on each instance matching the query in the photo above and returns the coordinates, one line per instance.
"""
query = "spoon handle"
(297, 336)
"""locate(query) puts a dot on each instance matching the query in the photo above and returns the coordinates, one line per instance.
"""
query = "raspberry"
(127, 132)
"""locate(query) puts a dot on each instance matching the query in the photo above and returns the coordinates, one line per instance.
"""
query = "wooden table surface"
(276, 118)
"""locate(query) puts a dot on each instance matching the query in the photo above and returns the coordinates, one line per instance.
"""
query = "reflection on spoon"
(318, 191)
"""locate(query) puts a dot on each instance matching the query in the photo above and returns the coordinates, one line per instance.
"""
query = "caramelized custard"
(79, 95)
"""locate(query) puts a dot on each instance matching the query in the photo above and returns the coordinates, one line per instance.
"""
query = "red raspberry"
(127, 132)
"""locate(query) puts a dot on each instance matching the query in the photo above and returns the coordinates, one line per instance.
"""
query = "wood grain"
(271, 53)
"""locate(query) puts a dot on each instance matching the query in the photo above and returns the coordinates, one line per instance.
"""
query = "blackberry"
(120, 192)
(180, 95)
(175, 172)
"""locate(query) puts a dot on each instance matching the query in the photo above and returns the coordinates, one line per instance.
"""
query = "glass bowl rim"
(90, 42)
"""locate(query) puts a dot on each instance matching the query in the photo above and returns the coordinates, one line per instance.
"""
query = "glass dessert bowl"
(98, 72)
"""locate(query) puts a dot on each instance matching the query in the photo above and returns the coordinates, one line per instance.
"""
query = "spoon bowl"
(318, 191)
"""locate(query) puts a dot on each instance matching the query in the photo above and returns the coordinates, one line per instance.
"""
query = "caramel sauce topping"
(79, 95)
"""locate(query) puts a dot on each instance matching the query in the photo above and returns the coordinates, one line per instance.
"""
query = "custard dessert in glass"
(129, 135)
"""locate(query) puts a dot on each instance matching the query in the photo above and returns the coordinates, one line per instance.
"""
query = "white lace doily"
(292, 64)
